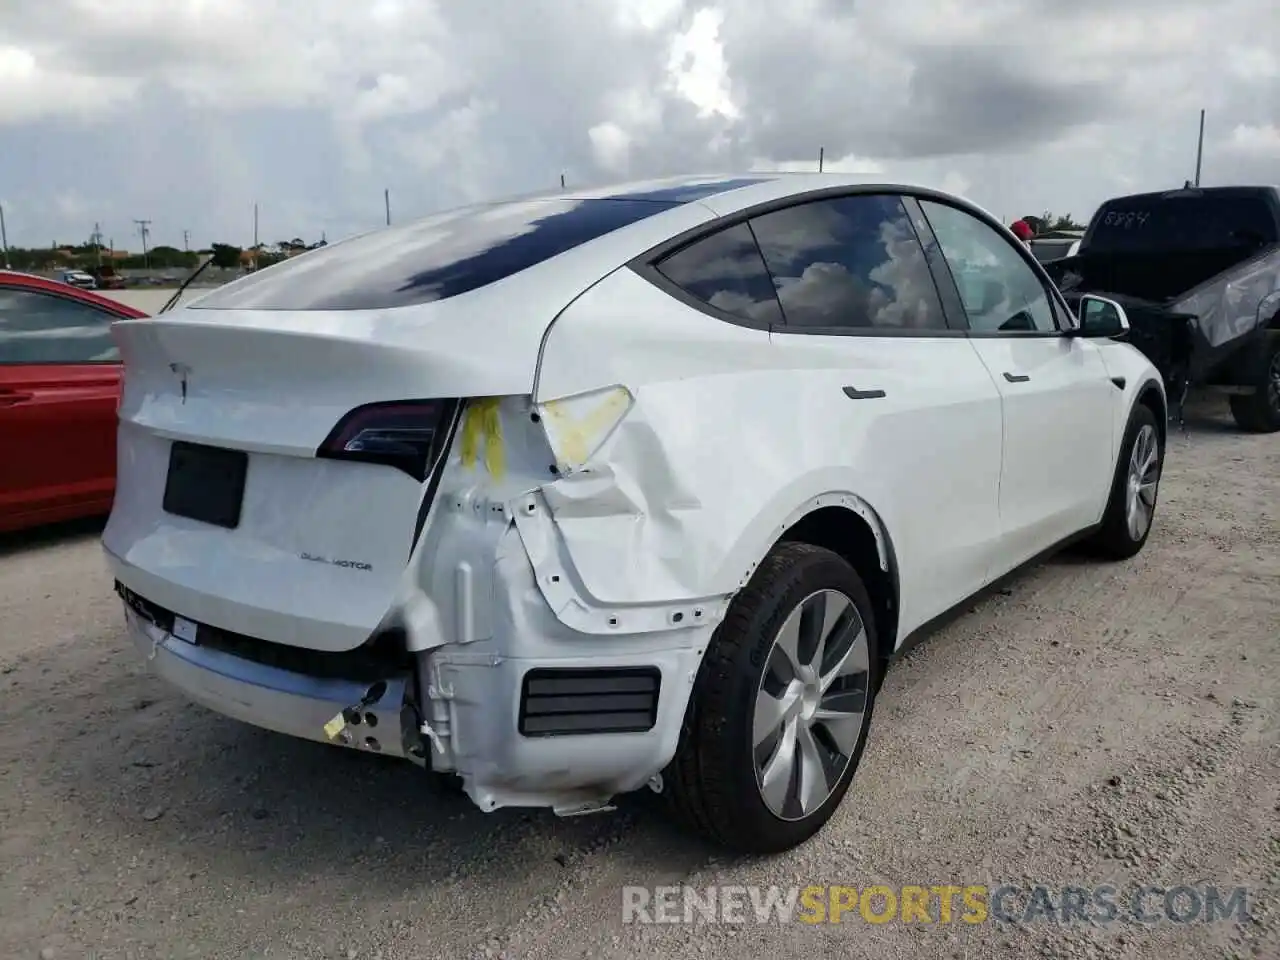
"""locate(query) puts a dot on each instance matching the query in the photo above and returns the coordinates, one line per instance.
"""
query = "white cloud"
(193, 110)
(1257, 142)
(610, 146)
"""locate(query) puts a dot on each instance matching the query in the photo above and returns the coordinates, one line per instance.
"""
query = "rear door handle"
(853, 393)
(1016, 377)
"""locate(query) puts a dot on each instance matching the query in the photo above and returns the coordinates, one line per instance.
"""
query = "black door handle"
(1016, 377)
(855, 394)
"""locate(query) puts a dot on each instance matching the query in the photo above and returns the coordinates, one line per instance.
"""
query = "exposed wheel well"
(842, 531)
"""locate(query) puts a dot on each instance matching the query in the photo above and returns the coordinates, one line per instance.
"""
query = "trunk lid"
(320, 544)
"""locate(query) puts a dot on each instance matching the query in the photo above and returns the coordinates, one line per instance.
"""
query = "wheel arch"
(1151, 396)
(848, 526)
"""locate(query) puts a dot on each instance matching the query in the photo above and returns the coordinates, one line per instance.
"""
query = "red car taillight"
(409, 435)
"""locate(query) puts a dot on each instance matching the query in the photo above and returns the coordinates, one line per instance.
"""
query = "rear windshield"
(430, 259)
(1155, 224)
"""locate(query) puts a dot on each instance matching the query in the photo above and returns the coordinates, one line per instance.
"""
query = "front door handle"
(853, 393)
(1016, 377)
(11, 398)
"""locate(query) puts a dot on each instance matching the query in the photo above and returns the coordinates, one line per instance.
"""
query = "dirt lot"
(1091, 724)
(152, 299)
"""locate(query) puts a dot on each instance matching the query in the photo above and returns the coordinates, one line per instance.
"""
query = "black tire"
(1114, 539)
(1259, 412)
(712, 783)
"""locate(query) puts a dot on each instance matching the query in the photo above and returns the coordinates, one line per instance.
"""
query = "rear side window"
(1160, 224)
(432, 259)
(726, 271)
(849, 263)
(43, 328)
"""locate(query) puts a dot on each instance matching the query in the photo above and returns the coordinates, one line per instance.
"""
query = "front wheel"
(1126, 524)
(1259, 412)
(779, 713)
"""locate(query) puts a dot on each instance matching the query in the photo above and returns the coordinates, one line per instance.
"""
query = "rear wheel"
(1126, 524)
(778, 717)
(1259, 412)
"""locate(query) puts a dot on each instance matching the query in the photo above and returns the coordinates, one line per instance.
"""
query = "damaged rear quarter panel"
(710, 464)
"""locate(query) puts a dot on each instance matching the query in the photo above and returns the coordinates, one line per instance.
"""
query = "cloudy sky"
(187, 112)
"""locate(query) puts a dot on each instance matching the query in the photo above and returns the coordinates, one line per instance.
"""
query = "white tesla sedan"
(642, 486)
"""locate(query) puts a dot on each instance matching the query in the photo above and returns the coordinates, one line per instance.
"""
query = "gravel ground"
(152, 299)
(1089, 724)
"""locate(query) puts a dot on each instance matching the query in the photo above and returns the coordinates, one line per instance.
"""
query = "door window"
(726, 271)
(999, 290)
(849, 263)
(42, 328)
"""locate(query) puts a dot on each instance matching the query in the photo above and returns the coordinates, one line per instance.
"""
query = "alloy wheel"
(1144, 477)
(810, 705)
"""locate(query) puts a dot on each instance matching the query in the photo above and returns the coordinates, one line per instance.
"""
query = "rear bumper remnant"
(275, 699)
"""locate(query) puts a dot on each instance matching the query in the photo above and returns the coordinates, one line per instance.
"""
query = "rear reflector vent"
(576, 702)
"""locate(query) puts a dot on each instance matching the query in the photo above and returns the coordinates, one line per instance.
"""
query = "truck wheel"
(779, 713)
(1259, 412)
(1126, 524)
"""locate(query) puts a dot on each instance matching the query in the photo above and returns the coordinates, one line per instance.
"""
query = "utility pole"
(255, 226)
(4, 239)
(386, 202)
(562, 181)
(1200, 148)
(143, 228)
(821, 152)
(96, 240)
(186, 234)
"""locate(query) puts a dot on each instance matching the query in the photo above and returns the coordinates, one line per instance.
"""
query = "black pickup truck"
(1197, 270)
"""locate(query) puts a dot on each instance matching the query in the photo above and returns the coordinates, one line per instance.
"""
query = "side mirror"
(1100, 317)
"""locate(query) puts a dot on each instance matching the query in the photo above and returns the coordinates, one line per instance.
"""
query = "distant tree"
(225, 256)
(1047, 222)
(171, 258)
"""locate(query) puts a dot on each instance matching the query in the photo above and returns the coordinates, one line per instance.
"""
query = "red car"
(60, 380)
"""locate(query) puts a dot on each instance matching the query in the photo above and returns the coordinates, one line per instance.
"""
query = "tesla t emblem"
(182, 370)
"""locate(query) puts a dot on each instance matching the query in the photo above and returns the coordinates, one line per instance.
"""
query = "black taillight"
(408, 435)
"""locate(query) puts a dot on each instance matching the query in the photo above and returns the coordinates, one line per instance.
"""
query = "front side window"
(726, 271)
(999, 290)
(42, 328)
(849, 263)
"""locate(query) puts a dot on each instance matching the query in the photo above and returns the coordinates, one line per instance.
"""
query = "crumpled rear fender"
(637, 536)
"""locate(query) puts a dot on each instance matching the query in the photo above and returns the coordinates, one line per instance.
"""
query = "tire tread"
(698, 788)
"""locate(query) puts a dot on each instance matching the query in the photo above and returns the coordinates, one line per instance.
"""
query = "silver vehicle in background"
(78, 278)
(1056, 245)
